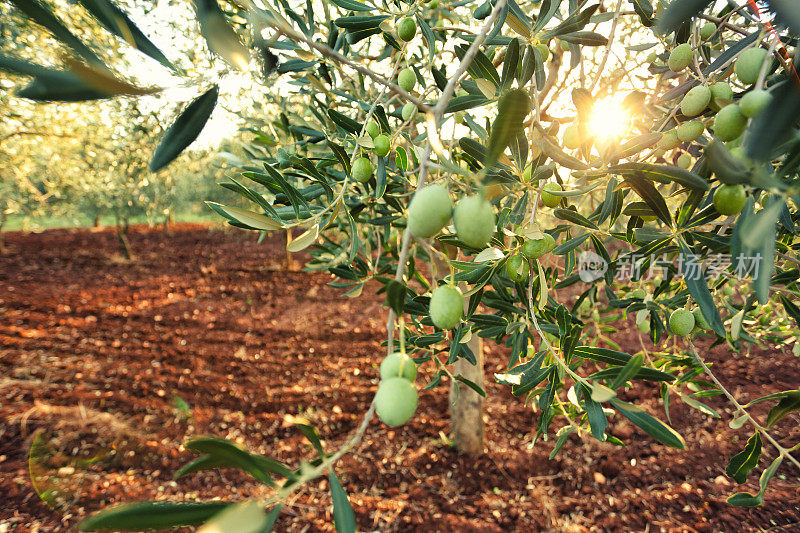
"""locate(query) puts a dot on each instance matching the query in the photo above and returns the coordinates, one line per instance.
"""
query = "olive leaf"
(117, 22)
(343, 517)
(513, 107)
(678, 12)
(41, 14)
(221, 38)
(152, 515)
(185, 129)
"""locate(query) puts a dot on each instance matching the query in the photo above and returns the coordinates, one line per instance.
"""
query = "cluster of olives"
(683, 321)
(396, 399)
(431, 209)
(731, 117)
(363, 169)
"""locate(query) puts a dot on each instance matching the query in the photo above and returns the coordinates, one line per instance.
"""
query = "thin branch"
(781, 450)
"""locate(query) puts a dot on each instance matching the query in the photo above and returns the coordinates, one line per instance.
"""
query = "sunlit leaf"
(185, 129)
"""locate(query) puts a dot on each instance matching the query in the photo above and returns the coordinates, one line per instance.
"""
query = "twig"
(781, 450)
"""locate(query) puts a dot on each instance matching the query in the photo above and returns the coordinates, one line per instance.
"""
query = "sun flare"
(609, 120)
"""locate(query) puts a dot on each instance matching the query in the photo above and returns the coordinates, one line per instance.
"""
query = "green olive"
(429, 211)
(720, 91)
(680, 57)
(572, 137)
(748, 65)
(695, 101)
(689, 131)
(407, 79)
(396, 401)
(474, 220)
(372, 129)
(536, 248)
(729, 199)
(362, 170)
(707, 30)
(551, 200)
(517, 268)
(544, 51)
(669, 140)
(382, 145)
(681, 322)
(398, 364)
(407, 29)
(408, 112)
(700, 319)
(730, 123)
(754, 102)
(446, 307)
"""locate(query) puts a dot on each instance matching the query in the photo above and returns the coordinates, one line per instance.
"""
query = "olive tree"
(523, 173)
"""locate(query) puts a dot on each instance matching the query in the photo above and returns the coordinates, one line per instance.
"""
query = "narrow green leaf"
(576, 21)
(698, 288)
(651, 196)
(576, 218)
(117, 22)
(678, 12)
(644, 8)
(221, 38)
(513, 107)
(562, 440)
(700, 406)
(471, 384)
(396, 295)
(41, 14)
(768, 474)
(352, 5)
(310, 433)
(743, 462)
(225, 451)
(604, 355)
(15, 65)
(60, 86)
(152, 515)
(345, 122)
(462, 103)
(630, 369)
(788, 404)
(343, 517)
(745, 499)
(595, 414)
(571, 244)
(360, 23)
(584, 38)
(427, 34)
(547, 11)
(244, 517)
(204, 462)
(185, 129)
(651, 425)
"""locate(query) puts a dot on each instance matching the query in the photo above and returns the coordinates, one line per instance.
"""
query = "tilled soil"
(94, 351)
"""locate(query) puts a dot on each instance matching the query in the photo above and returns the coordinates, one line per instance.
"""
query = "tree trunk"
(466, 405)
(96, 223)
(3, 217)
(123, 241)
(289, 259)
(167, 221)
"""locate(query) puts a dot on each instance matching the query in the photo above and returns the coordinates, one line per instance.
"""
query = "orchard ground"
(94, 349)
